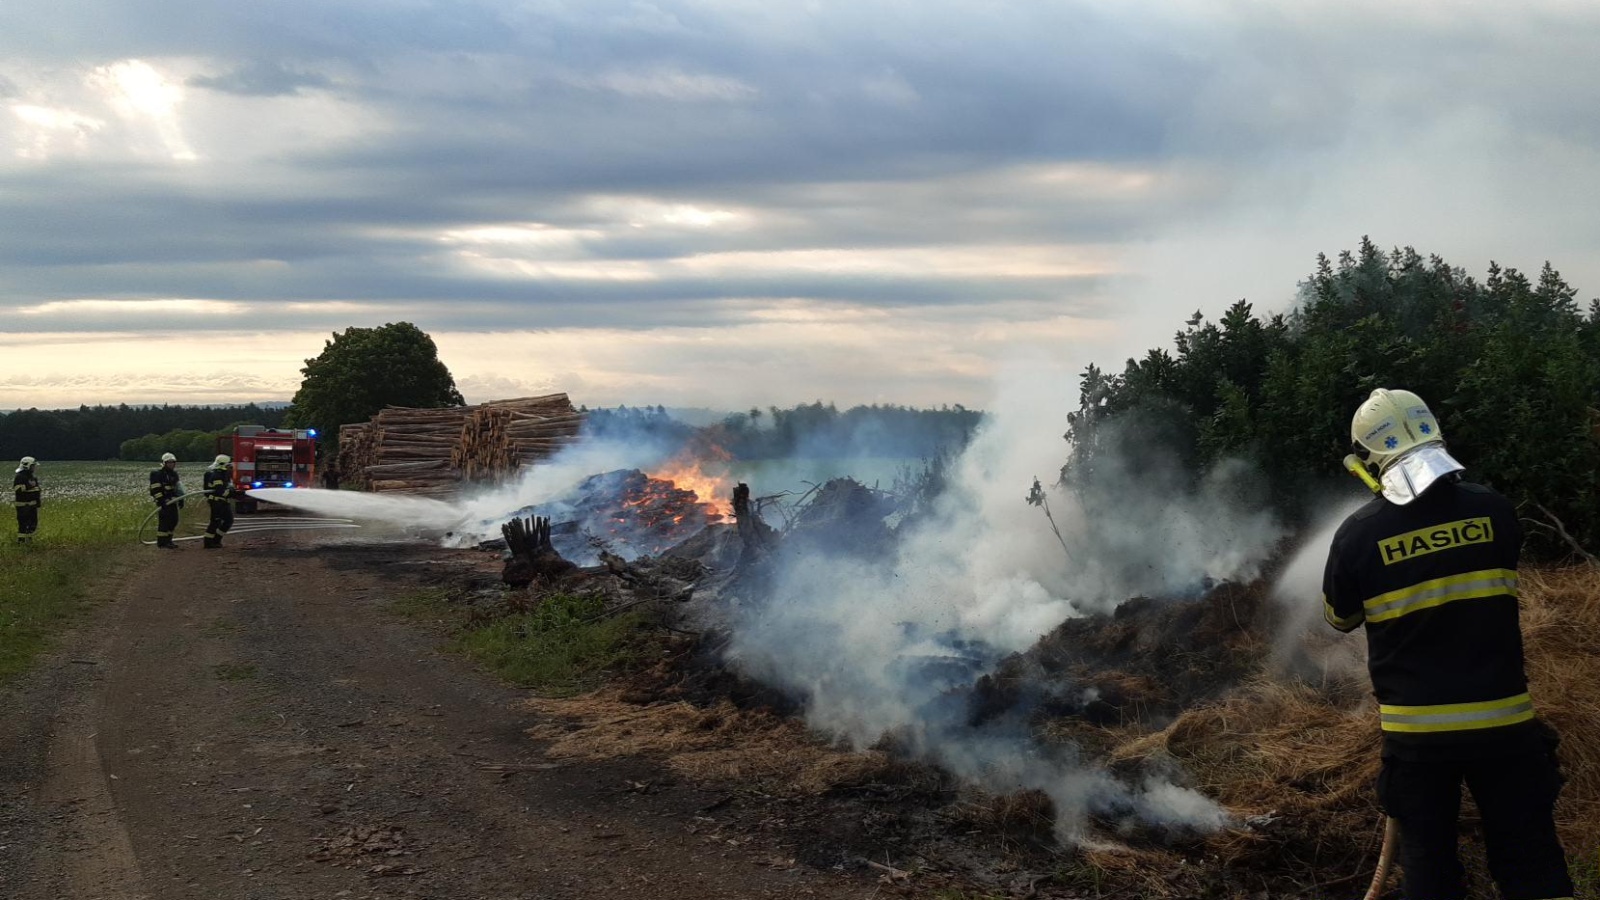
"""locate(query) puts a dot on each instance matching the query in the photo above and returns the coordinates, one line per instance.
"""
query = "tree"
(362, 370)
(1510, 365)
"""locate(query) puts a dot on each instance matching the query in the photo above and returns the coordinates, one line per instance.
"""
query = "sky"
(730, 203)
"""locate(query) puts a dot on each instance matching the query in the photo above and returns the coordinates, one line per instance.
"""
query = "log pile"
(502, 436)
(437, 452)
(355, 448)
(413, 448)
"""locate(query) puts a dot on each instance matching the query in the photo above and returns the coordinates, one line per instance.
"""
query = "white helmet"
(1396, 432)
(222, 461)
(168, 457)
(28, 462)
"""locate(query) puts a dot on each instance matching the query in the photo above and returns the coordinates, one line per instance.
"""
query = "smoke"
(881, 647)
(890, 648)
(552, 480)
(1305, 646)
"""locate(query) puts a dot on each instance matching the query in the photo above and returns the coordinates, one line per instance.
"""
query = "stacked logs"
(502, 436)
(439, 451)
(355, 448)
(412, 450)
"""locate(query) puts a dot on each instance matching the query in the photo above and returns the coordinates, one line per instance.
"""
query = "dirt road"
(296, 739)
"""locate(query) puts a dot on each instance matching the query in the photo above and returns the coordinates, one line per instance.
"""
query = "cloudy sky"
(730, 202)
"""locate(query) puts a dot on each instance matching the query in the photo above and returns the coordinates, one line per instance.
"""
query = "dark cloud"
(261, 79)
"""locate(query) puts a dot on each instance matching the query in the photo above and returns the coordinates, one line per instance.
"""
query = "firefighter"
(1430, 568)
(167, 492)
(28, 498)
(220, 494)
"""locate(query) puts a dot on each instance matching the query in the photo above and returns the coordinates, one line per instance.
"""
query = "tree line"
(1510, 365)
(125, 432)
(807, 430)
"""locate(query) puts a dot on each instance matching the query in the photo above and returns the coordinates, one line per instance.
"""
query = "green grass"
(563, 647)
(43, 585)
(1585, 869)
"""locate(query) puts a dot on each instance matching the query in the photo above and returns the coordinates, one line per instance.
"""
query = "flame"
(710, 488)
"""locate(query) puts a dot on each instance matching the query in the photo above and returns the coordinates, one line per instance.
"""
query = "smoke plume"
(885, 647)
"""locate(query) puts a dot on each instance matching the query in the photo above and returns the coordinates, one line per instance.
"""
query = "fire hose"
(1391, 828)
(276, 523)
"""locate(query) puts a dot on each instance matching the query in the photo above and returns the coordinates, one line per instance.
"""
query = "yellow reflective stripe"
(1346, 624)
(1439, 591)
(1457, 716)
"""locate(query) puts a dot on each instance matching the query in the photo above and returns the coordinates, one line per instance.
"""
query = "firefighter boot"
(212, 542)
(166, 543)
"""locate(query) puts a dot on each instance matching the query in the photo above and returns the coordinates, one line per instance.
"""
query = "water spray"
(254, 526)
(1391, 828)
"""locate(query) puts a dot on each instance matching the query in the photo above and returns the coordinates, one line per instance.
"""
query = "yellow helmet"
(1390, 423)
(1397, 427)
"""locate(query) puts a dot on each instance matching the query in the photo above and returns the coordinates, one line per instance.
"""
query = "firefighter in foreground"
(28, 498)
(220, 493)
(167, 492)
(1430, 567)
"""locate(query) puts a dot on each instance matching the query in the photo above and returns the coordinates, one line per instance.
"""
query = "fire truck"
(269, 457)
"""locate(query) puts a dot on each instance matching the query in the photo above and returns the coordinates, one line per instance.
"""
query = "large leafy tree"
(362, 370)
(1510, 365)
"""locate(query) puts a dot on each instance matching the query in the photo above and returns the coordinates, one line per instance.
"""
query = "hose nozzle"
(1359, 470)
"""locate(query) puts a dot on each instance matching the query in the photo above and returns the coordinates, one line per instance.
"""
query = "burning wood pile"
(627, 513)
(437, 451)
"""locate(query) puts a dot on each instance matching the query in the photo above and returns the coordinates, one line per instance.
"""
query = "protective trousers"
(27, 521)
(221, 521)
(1516, 797)
(166, 524)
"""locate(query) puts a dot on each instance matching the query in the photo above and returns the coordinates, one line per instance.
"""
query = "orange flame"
(712, 489)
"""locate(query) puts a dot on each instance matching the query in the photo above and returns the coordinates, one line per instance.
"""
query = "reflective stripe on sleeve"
(1348, 623)
(1457, 716)
(1439, 591)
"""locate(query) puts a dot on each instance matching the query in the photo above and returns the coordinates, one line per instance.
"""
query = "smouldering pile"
(437, 451)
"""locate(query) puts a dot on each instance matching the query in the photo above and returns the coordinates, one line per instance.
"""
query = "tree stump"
(532, 554)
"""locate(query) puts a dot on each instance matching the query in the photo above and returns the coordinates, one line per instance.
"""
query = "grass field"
(87, 528)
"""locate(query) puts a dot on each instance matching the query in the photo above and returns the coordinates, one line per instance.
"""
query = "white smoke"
(549, 481)
(1305, 644)
(880, 647)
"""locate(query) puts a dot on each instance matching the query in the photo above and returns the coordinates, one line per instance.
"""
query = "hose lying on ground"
(1391, 832)
(276, 523)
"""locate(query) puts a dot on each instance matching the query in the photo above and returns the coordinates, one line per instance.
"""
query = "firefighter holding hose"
(1430, 568)
(167, 492)
(28, 498)
(220, 493)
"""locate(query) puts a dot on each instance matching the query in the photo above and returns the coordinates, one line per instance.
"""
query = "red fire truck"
(270, 457)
